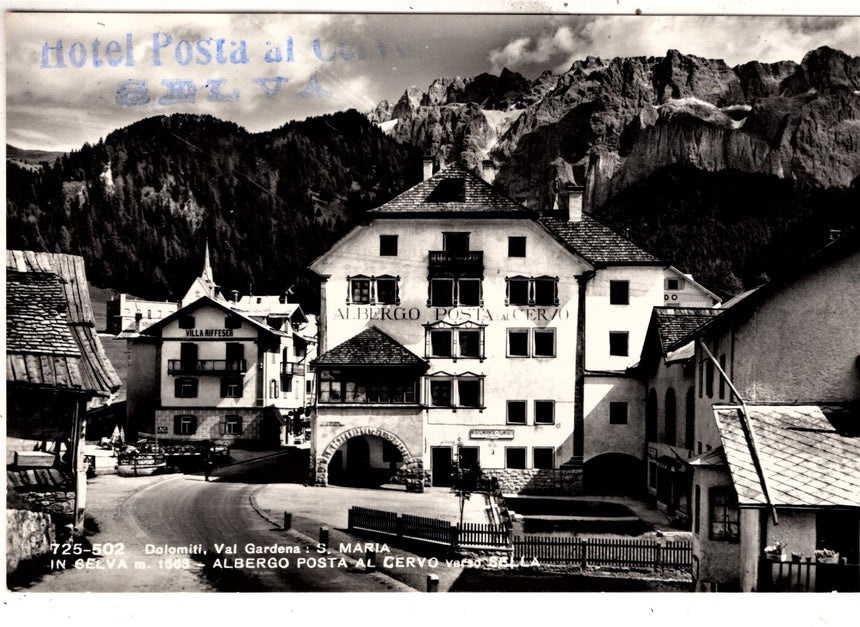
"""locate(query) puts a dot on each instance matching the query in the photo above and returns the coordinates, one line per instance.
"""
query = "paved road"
(183, 511)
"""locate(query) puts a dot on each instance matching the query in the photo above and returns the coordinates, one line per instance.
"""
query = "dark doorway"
(838, 530)
(613, 474)
(357, 460)
(442, 466)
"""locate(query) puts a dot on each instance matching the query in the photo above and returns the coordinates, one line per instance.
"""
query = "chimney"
(428, 167)
(574, 202)
(488, 170)
(234, 296)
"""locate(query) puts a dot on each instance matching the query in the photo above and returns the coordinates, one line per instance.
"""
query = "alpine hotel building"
(457, 325)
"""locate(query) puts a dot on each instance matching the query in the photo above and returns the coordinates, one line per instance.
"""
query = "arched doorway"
(613, 474)
(368, 457)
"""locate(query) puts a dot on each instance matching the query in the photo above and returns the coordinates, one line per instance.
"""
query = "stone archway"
(413, 468)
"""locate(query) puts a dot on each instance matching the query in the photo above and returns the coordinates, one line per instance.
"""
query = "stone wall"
(29, 536)
(560, 482)
(57, 502)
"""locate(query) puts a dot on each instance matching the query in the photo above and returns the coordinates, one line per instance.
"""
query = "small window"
(186, 322)
(618, 343)
(186, 387)
(359, 290)
(515, 457)
(468, 456)
(724, 514)
(455, 242)
(231, 387)
(469, 292)
(149, 314)
(545, 292)
(516, 246)
(469, 392)
(618, 413)
(386, 291)
(232, 322)
(518, 343)
(442, 292)
(722, 379)
(440, 343)
(619, 292)
(543, 457)
(673, 285)
(274, 390)
(309, 387)
(709, 378)
(544, 412)
(440, 393)
(387, 245)
(233, 425)
(518, 292)
(184, 425)
(516, 412)
(544, 343)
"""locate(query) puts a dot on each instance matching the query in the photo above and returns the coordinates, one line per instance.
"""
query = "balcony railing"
(290, 368)
(469, 262)
(206, 366)
(807, 575)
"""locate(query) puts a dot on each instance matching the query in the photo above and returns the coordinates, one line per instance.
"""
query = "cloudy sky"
(273, 68)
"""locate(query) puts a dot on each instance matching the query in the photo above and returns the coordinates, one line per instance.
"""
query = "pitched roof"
(267, 306)
(45, 359)
(156, 328)
(595, 242)
(371, 347)
(676, 323)
(805, 459)
(452, 190)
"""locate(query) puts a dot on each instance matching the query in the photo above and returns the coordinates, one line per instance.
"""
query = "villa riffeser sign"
(208, 332)
(491, 434)
(453, 315)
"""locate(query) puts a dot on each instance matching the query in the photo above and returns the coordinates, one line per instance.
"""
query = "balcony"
(206, 366)
(466, 263)
(290, 368)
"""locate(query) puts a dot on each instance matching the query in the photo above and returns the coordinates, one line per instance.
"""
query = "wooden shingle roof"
(806, 461)
(371, 347)
(41, 353)
(452, 190)
(676, 323)
(595, 242)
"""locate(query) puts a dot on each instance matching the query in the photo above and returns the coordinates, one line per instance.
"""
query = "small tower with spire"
(204, 285)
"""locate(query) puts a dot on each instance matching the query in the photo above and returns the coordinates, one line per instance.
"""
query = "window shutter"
(193, 428)
(223, 424)
(177, 425)
(177, 388)
(239, 425)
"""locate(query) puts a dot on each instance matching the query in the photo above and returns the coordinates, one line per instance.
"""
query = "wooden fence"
(630, 552)
(434, 530)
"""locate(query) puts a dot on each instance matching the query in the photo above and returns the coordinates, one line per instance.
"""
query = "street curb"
(298, 535)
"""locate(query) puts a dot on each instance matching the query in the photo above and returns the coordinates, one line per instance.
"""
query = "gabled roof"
(452, 190)
(371, 347)
(158, 327)
(268, 306)
(42, 289)
(595, 242)
(806, 461)
(673, 324)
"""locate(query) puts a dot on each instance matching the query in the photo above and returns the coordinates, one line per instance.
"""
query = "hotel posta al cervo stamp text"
(174, 52)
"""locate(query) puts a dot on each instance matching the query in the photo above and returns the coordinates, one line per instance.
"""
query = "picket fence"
(434, 530)
(629, 552)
